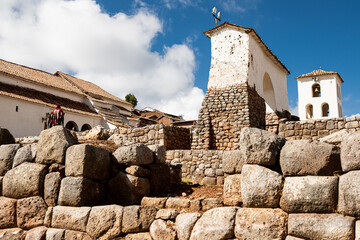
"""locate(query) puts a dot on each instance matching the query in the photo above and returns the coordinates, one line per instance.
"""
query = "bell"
(317, 90)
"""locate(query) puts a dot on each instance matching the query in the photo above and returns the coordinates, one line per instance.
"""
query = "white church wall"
(328, 87)
(27, 121)
(229, 58)
(260, 63)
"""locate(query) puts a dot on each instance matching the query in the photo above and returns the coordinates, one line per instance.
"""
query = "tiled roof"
(257, 37)
(37, 76)
(91, 89)
(319, 72)
(43, 98)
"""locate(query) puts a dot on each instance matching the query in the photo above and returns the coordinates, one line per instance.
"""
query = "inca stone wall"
(295, 189)
(224, 112)
(315, 129)
(159, 134)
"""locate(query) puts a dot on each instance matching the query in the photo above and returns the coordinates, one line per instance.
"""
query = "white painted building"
(28, 95)
(239, 55)
(319, 95)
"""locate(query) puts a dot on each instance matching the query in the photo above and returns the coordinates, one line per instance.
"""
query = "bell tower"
(319, 95)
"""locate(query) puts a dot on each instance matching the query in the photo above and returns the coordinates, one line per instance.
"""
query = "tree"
(130, 98)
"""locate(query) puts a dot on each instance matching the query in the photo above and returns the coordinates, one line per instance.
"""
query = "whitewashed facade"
(319, 95)
(238, 55)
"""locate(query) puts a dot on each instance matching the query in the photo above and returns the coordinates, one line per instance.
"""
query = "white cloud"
(185, 3)
(112, 51)
(347, 97)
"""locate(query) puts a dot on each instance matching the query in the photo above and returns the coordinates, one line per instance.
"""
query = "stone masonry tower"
(319, 95)
(247, 87)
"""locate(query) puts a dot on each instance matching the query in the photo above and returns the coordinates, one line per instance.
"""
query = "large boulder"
(73, 218)
(6, 137)
(260, 223)
(232, 161)
(52, 188)
(7, 154)
(52, 145)
(136, 154)
(321, 226)
(38, 233)
(160, 178)
(232, 190)
(260, 186)
(161, 229)
(137, 218)
(304, 157)
(217, 223)
(158, 202)
(349, 193)
(138, 236)
(55, 234)
(336, 138)
(350, 152)
(126, 189)
(12, 234)
(105, 222)
(7, 212)
(259, 146)
(79, 191)
(310, 194)
(166, 214)
(87, 161)
(184, 224)
(97, 133)
(26, 180)
(30, 212)
(159, 152)
(24, 154)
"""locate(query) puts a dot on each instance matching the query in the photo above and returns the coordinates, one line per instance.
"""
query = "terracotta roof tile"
(34, 75)
(91, 89)
(319, 72)
(47, 99)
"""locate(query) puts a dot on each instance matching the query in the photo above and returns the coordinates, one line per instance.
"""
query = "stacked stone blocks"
(223, 113)
(315, 129)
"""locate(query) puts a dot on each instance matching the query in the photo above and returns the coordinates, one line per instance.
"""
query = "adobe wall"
(223, 113)
(315, 129)
(159, 134)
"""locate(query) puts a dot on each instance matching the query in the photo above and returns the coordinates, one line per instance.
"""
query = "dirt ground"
(195, 191)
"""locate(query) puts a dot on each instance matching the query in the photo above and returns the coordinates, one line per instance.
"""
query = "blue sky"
(303, 34)
(156, 48)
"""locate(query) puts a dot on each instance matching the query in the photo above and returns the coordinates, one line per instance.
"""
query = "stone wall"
(315, 129)
(292, 189)
(273, 120)
(201, 166)
(223, 113)
(159, 134)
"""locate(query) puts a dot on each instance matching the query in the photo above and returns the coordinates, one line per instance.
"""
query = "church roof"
(36, 76)
(91, 89)
(319, 72)
(210, 32)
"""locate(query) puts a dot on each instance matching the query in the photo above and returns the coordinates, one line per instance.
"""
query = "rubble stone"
(350, 152)
(73, 218)
(30, 212)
